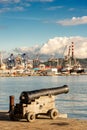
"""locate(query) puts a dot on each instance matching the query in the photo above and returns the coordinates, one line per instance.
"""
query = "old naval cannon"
(35, 103)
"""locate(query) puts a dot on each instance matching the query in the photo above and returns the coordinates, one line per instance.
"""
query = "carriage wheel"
(53, 113)
(30, 117)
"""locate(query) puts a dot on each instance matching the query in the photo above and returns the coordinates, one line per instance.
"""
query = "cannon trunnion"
(37, 102)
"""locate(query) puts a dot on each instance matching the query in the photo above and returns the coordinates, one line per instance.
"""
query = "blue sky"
(25, 23)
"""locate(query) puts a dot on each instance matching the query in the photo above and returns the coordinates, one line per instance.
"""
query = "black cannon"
(29, 96)
(37, 102)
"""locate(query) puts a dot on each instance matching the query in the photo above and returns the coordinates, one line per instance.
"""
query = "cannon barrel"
(29, 96)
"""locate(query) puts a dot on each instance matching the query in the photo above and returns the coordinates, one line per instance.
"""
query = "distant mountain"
(83, 62)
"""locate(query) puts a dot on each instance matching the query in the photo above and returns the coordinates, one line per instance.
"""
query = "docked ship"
(70, 64)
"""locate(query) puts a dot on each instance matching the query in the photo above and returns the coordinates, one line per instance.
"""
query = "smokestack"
(72, 49)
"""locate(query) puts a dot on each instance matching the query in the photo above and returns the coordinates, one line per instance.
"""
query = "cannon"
(37, 102)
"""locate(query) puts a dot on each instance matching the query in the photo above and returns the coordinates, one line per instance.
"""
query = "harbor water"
(73, 103)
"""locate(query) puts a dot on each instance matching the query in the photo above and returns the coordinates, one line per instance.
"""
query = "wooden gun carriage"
(37, 102)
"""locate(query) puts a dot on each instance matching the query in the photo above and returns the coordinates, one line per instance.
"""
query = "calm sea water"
(74, 103)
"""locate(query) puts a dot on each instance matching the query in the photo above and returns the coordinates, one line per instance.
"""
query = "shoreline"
(42, 123)
(32, 72)
(27, 75)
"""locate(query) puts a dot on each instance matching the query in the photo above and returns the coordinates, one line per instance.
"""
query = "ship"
(70, 63)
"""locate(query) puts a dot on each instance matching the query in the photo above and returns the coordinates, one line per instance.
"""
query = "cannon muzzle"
(29, 96)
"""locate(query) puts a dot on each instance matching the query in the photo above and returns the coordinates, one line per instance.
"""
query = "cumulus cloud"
(59, 45)
(32, 49)
(73, 21)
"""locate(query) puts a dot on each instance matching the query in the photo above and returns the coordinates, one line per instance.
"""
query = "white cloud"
(18, 8)
(17, 5)
(71, 9)
(31, 49)
(59, 44)
(7, 9)
(18, 1)
(73, 21)
(9, 1)
(4, 9)
(11, 5)
(54, 7)
(40, 0)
